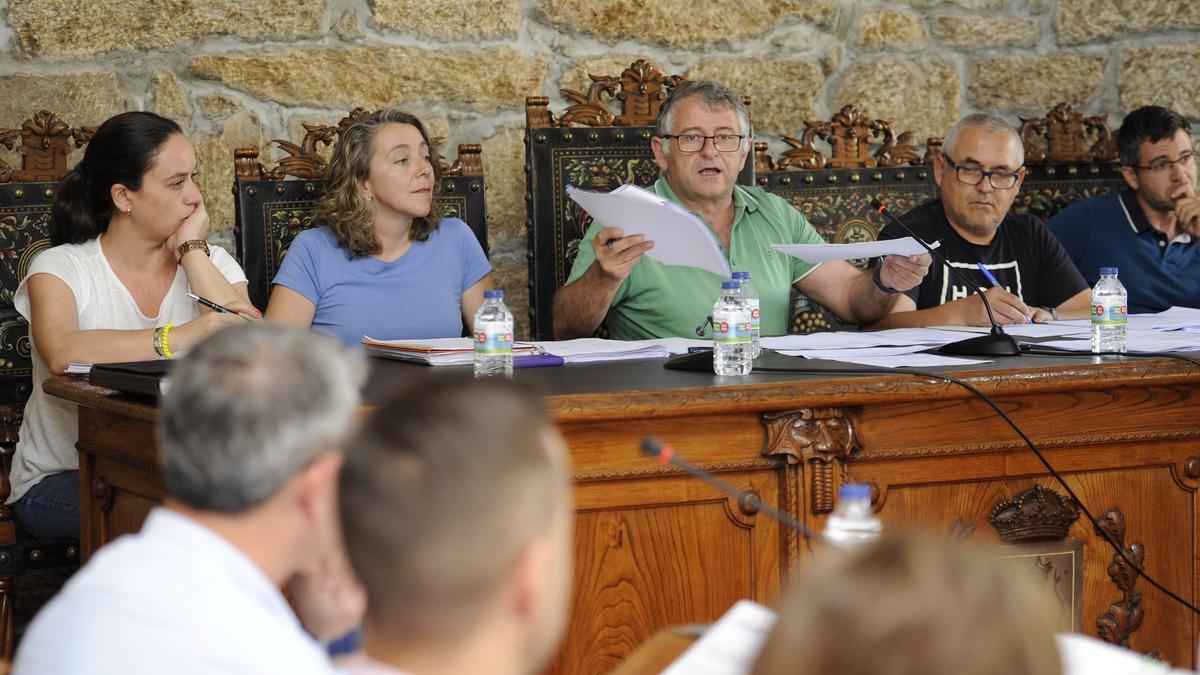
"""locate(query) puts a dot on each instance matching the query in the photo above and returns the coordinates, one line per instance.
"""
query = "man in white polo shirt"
(249, 437)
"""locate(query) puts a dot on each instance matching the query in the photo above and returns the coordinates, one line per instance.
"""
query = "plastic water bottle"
(1110, 312)
(852, 522)
(750, 296)
(493, 337)
(731, 332)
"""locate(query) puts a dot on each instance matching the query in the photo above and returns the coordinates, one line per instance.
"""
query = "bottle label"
(731, 327)
(493, 337)
(755, 320)
(1110, 313)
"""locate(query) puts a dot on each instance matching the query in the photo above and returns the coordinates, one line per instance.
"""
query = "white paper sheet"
(838, 354)
(729, 646)
(679, 237)
(1028, 330)
(911, 360)
(816, 253)
(588, 350)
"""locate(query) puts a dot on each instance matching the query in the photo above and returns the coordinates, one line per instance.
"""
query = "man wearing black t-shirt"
(978, 174)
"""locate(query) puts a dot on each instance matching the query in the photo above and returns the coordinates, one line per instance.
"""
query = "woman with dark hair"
(381, 262)
(128, 226)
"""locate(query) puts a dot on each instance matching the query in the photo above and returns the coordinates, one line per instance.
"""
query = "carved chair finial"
(849, 134)
(46, 140)
(1063, 136)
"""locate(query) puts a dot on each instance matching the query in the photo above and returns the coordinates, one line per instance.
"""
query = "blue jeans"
(50, 509)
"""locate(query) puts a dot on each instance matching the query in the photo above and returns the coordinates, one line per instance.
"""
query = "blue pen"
(992, 278)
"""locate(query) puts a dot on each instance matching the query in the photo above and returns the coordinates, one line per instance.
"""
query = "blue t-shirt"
(418, 295)
(1112, 231)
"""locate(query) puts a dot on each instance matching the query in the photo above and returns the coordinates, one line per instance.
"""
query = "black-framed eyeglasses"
(969, 175)
(690, 143)
(1164, 165)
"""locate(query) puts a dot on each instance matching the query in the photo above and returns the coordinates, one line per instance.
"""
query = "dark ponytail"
(121, 151)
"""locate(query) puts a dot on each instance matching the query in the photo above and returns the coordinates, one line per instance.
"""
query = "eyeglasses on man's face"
(1164, 165)
(695, 142)
(971, 175)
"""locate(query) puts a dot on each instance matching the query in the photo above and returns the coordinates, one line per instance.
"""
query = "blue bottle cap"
(855, 491)
(729, 285)
(496, 294)
(1108, 271)
(741, 275)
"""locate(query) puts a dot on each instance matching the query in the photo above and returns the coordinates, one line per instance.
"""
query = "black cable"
(1036, 451)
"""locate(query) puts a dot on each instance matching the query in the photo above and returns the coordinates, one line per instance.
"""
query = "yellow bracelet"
(166, 344)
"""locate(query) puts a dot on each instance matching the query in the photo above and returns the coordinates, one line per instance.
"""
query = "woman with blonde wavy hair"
(379, 261)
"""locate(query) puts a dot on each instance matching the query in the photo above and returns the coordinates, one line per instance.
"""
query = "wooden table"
(655, 548)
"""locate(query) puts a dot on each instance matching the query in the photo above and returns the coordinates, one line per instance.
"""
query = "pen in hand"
(214, 306)
(992, 278)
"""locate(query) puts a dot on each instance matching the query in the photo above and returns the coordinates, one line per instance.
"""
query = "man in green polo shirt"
(701, 145)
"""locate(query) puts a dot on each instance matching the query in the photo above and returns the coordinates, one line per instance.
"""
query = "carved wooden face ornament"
(706, 178)
(400, 184)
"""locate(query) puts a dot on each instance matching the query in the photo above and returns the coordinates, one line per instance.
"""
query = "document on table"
(816, 253)
(680, 238)
(730, 646)
(589, 350)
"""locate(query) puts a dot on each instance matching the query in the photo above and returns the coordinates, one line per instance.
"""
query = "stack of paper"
(679, 237)
(435, 352)
(588, 350)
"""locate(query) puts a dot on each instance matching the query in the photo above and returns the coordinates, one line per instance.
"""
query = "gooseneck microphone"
(995, 343)
(666, 455)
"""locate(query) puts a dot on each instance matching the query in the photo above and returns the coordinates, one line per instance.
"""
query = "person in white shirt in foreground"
(249, 436)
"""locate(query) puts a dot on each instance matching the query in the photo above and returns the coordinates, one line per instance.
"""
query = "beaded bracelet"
(166, 344)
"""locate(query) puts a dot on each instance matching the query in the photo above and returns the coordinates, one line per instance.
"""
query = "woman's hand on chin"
(194, 226)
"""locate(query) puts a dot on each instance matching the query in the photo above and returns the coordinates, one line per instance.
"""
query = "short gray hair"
(249, 408)
(990, 124)
(712, 95)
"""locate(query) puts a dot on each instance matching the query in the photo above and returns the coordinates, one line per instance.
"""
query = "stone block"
(919, 95)
(1166, 75)
(783, 92)
(984, 31)
(965, 4)
(683, 23)
(510, 272)
(504, 173)
(74, 28)
(1080, 21)
(376, 76)
(170, 100)
(1035, 82)
(214, 163)
(891, 28)
(216, 107)
(471, 19)
(84, 98)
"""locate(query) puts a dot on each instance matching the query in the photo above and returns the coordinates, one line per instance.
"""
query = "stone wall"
(238, 72)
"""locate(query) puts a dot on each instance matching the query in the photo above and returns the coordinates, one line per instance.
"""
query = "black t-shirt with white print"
(1025, 258)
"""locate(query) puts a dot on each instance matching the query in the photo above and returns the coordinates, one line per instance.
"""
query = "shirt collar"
(1136, 217)
(166, 525)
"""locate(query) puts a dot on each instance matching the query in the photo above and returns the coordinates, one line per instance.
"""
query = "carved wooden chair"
(271, 208)
(591, 147)
(833, 188)
(1070, 157)
(26, 195)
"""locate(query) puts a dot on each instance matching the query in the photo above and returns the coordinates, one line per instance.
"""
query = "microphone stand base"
(992, 344)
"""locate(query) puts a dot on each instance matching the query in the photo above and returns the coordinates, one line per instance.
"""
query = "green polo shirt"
(658, 300)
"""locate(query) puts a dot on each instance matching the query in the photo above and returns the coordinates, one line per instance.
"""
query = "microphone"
(666, 455)
(995, 343)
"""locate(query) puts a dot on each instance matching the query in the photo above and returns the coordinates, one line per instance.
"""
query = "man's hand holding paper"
(616, 253)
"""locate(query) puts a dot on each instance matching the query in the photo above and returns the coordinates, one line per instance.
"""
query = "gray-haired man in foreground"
(249, 437)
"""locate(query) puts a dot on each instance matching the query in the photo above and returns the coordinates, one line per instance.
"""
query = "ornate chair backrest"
(26, 194)
(1069, 157)
(834, 187)
(273, 205)
(591, 147)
